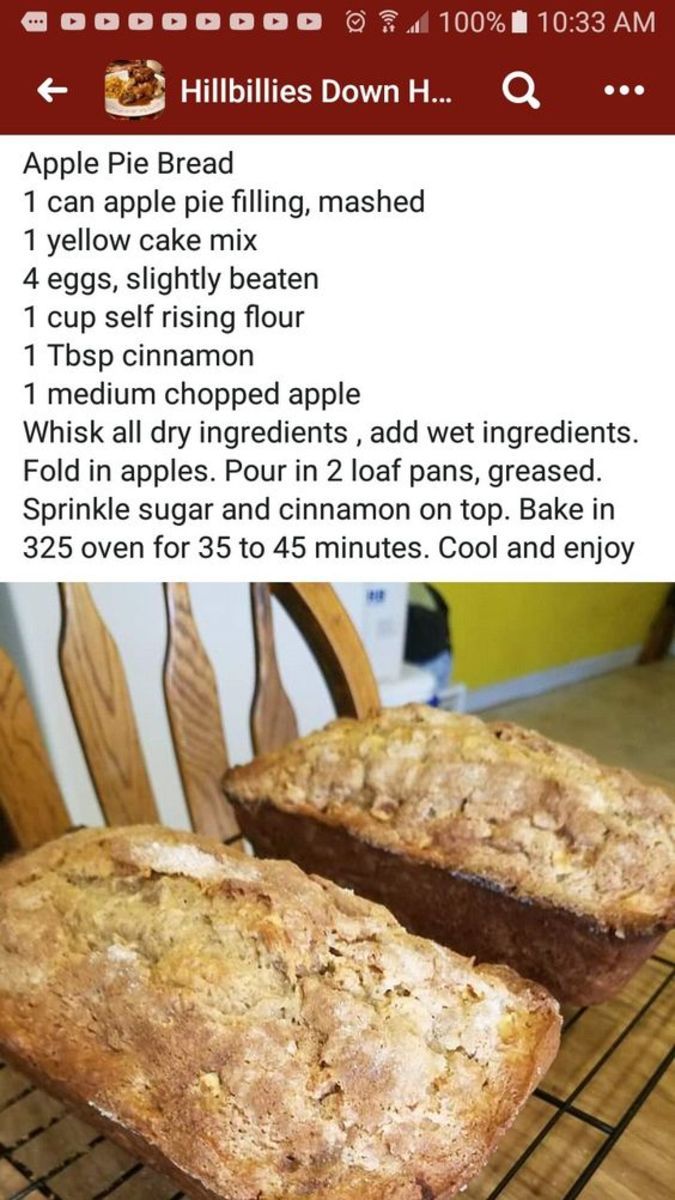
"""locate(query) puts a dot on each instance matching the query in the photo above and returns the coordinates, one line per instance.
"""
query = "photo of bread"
(256, 1032)
(288, 912)
(485, 836)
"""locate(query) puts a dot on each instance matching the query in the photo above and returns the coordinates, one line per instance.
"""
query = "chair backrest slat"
(99, 699)
(273, 722)
(31, 806)
(330, 634)
(325, 625)
(193, 708)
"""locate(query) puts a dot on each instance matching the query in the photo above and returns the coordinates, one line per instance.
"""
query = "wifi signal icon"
(388, 18)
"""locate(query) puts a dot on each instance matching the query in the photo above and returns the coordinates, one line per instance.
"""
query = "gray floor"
(626, 718)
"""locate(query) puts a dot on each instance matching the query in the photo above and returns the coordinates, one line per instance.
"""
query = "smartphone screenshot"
(337, 613)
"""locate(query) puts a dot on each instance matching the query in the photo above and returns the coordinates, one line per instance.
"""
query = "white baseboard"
(453, 698)
(545, 681)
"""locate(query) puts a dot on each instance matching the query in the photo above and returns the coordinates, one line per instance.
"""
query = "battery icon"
(519, 21)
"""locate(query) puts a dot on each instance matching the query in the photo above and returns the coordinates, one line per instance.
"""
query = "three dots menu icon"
(35, 22)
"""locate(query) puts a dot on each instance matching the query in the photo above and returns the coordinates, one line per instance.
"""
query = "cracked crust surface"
(496, 801)
(257, 1031)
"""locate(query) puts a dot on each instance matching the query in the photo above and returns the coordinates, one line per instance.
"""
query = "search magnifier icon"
(519, 96)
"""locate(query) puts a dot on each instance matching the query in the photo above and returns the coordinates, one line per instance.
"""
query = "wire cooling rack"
(599, 1124)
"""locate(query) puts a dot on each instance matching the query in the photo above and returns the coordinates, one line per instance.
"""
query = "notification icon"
(35, 22)
(309, 22)
(140, 21)
(208, 22)
(356, 20)
(106, 21)
(275, 22)
(242, 22)
(73, 22)
(173, 22)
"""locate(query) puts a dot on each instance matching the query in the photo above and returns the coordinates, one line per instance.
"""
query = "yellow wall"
(502, 630)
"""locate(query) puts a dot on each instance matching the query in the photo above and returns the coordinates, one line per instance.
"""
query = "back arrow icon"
(48, 90)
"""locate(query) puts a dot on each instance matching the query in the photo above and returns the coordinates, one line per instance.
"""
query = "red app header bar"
(338, 68)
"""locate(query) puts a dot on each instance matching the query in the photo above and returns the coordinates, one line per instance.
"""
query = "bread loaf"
(487, 837)
(254, 1032)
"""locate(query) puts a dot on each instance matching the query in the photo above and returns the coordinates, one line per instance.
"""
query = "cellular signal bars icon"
(420, 26)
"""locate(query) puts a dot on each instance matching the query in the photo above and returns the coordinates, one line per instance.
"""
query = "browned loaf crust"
(254, 1032)
(487, 837)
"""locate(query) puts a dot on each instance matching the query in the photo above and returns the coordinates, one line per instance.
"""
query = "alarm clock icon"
(356, 20)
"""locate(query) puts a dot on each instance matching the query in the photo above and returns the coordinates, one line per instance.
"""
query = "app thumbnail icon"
(134, 89)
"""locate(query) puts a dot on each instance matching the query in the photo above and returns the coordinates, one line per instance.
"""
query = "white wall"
(135, 615)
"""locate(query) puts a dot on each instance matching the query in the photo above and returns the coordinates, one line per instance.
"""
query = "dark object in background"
(428, 630)
(661, 632)
(428, 642)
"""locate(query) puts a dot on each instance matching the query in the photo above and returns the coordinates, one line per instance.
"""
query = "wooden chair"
(32, 807)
